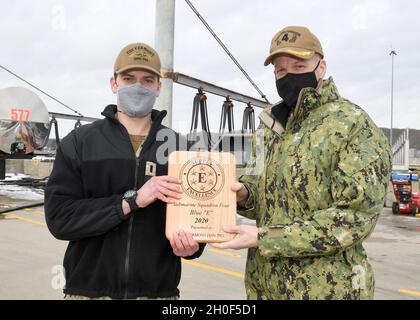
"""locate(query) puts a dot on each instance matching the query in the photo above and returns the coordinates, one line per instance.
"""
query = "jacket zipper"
(131, 222)
(130, 231)
(130, 226)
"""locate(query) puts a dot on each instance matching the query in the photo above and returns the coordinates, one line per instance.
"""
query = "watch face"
(130, 194)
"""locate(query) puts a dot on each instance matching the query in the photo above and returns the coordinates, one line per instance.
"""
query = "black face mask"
(290, 86)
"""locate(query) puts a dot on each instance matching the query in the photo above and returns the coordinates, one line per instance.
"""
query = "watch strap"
(132, 203)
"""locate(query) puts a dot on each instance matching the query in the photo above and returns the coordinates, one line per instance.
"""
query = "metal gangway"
(401, 153)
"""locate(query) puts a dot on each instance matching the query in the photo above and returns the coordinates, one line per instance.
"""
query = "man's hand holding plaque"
(244, 236)
(167, 189)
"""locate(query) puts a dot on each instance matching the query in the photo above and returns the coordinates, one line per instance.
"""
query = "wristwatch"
(130, 196)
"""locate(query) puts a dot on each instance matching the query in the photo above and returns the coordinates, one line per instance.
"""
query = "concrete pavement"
(30, 261)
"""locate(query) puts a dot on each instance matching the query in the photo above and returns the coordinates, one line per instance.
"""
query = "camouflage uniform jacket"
(317, 198)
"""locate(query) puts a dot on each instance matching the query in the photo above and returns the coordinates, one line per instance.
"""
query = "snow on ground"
(15, 177)
(18, 192)
(44, 158)
(23, 193)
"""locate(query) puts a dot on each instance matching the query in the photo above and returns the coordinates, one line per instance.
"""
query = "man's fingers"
(165, 199)
(232, 229)
(174, 245)
(163, 188)
(171, 186)
(185, 242)
(169, 194)
(193, 244)
(237, 186)
(190, 244)
(172, 242)
(168, 179)
(235, 243)
(178, 244)
(219, 245)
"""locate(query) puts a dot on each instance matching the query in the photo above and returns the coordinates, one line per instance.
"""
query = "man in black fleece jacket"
(108, 191)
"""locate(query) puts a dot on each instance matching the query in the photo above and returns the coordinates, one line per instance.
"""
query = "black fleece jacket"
(111, 254)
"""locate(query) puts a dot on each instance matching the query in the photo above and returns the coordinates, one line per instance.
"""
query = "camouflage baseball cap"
(138, 55)
(299, 42)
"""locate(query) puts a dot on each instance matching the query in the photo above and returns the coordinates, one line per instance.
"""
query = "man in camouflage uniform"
(326, 170)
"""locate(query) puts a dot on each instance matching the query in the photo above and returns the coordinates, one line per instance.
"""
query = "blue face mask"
(136, 100)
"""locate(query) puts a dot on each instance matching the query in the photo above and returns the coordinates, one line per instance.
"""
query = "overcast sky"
(68, 48)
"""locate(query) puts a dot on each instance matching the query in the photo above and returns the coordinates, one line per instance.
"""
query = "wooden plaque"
(208, 202)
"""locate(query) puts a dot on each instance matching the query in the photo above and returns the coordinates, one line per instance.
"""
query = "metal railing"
(208, 87)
